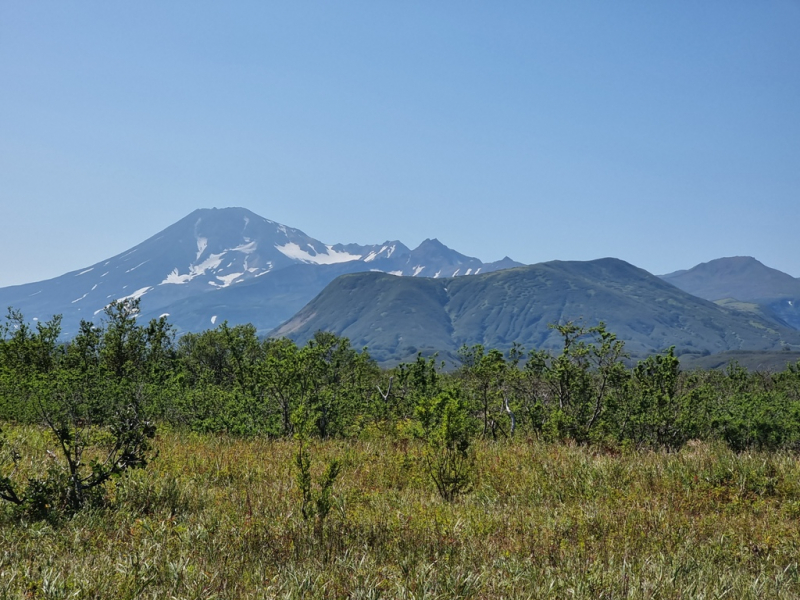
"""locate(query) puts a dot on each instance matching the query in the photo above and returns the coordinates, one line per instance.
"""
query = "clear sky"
(662, 133)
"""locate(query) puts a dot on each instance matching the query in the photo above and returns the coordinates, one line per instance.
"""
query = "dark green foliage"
(761, 420)
(229, 380)
(652, 410)
(336, 384)
(484, 375)
(93, 397)
(414, 381)
(571, 395)
(100, 395)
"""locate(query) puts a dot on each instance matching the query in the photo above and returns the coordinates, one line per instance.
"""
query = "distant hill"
(396, 317)
(753, 361)
(772, 293)
(226, 264)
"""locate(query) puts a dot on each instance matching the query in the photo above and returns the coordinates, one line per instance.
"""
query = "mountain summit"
(181, 271)
(740, 277)
(743, 283)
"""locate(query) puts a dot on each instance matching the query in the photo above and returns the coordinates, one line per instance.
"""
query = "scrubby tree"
(447, 429)
(92, 397)
(484, 375)
(582, 379)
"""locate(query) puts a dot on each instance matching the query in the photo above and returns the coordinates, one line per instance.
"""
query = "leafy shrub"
(449, 459)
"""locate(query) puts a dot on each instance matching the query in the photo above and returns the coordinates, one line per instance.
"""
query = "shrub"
(315, 503)
(449, 459)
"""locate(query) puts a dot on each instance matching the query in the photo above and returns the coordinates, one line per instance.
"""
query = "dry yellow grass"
(217, 517)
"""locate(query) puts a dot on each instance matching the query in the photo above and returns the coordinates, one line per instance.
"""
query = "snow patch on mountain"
(136, 295)
(294, 251)
(373, 255)
(137, 266)
(175, 277)
(202, 244)
(228, 279)
(385, 251)
(212, 262)
(247, 248)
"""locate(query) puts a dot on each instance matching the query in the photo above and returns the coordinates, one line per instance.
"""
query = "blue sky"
(665, 134)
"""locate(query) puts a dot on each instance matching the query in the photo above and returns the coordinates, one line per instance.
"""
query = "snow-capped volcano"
(212, 250)
(220, 247)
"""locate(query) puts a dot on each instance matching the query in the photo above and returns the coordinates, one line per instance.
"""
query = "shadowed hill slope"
(396, 317)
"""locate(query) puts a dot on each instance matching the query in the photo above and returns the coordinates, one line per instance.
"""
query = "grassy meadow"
(219, 517)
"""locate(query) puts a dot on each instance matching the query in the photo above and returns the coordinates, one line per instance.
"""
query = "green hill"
(397, 317)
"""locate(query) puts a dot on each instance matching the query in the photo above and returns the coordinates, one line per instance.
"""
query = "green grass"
(217, 517)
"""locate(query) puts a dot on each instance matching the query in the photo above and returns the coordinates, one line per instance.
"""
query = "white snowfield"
(388, 250)
(134, 296)
(228, 279)
(211, 263)
(294, 251)
(202, 244)
(247, 248)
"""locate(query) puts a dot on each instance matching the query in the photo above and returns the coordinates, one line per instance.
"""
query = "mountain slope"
(775, 294)
(264, 302)
(395, 317)
(740, 277)
(188, 269)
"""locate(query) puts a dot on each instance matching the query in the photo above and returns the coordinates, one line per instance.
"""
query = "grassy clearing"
(218, 517)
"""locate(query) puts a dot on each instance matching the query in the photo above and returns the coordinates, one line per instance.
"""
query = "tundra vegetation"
(218, 465)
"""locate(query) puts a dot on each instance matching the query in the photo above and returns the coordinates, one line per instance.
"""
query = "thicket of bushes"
(102, 394)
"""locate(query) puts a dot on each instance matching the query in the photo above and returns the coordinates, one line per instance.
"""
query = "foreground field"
(216, 517)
